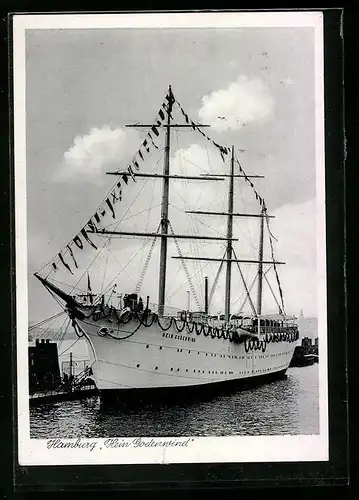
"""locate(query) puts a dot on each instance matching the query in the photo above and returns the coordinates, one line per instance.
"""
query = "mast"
(229, 242)
(260, 265)
(206, 294)
(164, 210)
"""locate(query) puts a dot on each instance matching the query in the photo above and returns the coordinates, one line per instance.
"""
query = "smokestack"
(206, 295)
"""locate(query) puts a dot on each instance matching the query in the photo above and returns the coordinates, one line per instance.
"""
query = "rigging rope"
(214, 286)
(147, 262)
(42, 322)
(274, 264)
(245, 284)
(185, 269)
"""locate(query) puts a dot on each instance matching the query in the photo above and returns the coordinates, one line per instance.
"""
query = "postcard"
(170, 238)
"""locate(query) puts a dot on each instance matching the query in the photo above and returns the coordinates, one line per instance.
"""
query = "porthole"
(187, 370)
(138, 365)
(147, 346)
(177, 369)
(156, 367)
(160, 347)
(171, 369)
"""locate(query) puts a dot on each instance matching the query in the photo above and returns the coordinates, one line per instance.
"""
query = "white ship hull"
(153, 358)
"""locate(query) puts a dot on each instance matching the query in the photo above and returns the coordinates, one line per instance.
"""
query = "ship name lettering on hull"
(178, 337)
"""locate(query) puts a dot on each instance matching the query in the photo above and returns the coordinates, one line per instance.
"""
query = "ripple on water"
(288, 406)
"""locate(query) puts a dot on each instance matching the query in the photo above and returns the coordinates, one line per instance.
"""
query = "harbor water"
(288, 406)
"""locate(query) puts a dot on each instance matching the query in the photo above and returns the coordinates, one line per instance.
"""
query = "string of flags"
(274, 265)
(222, 149)
(258, 197)
(66, 257)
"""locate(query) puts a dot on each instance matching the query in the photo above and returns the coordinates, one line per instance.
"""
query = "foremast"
(164, 211)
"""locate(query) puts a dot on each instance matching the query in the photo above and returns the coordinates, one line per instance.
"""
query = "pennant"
(137, 167)
(64, 263)
(162, 115)
(84, 234)
(184, 113)
(145, 145)
(150, 136)
(78, 242)
(54, 266)
(116, 198)
(103, 213)
(170, 98)
(165, 107)
(141, 155)
(111, 207)
(97, 217)
(89, 288)
(88, 283)
(193, 125)
(92, 226)
(130, 171)
(72, 255)
(125, 178)
(155, 131)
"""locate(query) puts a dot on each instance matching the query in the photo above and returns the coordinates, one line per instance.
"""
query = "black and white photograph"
(170, 238)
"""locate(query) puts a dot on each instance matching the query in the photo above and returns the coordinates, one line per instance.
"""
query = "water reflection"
(288, 406)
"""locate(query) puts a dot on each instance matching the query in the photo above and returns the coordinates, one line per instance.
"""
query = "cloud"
(244, 101)
(296, 229)
(96, 151)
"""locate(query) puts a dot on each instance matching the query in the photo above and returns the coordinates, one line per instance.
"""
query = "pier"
(48, 385)
(55, 395)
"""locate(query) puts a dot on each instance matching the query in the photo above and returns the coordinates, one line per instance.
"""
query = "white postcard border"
(193, 450)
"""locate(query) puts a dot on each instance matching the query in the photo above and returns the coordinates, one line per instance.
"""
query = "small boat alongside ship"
(136, 344)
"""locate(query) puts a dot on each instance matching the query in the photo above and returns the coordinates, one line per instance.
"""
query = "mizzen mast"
(260, 264)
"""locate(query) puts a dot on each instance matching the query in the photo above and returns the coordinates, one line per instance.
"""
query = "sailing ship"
(135, 343)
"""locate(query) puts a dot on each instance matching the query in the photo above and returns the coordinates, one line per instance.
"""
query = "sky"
(254, 86)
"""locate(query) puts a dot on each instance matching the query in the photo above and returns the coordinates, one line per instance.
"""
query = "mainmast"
(229, 242)
(260, 264)
(164, 211)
